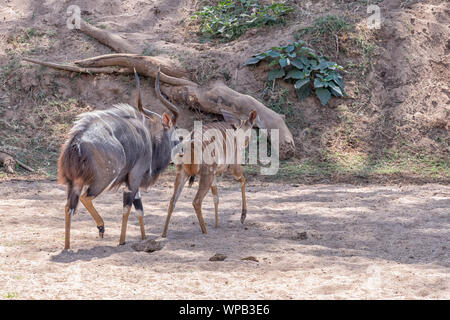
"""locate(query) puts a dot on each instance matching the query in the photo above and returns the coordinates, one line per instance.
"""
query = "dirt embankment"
(397, 77)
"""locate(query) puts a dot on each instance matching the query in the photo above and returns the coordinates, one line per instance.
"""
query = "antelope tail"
(191, 181)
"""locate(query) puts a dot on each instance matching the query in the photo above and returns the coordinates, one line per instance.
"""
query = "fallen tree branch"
(218, 96)
(66, 67)
(8, 160)
(114, 41)
(23, 165)
(144, 65)
(130, 60)
(103, 64)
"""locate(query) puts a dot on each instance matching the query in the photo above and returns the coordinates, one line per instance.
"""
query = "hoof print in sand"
(147, 246)
(299, 236)
(218, 257)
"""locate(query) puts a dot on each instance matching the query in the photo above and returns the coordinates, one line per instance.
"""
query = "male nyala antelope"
(220, 141)
(109, 148)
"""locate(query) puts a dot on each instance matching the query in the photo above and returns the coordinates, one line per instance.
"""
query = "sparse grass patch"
(30, 41)
(403, 162)
(276, 98)
(37, 135)
(9, 68)
(332, 35)
(205, 70)
(355, 166)
(324, 30)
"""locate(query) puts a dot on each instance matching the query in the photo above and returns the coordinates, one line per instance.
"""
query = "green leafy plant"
(229, 19)
(301, 66)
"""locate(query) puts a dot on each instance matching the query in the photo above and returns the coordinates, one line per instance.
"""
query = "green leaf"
(313, 64)
(273, 62)
(253, 60)
(339, 82)
(261, 56)
(297, 63)
(290, 48)
(335, 90)
(275, 74)
(309, 52)
(333, 66)
(295, 74)
(292, 55)
(305, 60)
(284, 62)
(301, 83)
(273, 54)
(323, 65)
(303, 92)
(324, 95)
(319, 83)
(336, 77)
(299, 43)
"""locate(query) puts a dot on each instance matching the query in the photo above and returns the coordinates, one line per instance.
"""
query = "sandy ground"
(364, 242)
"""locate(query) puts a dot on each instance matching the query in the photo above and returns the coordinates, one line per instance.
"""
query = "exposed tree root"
(211, 98)
(218, 96)
(67, 67)
(114, 41)
(144, 64)
(8, 162)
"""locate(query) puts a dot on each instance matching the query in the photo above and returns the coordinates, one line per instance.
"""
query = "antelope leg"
(204, 186)
(127, 203)
(216, 202)
(180, 181)
(244, 202)
(87, 203)
(68, 217)
(137, 202)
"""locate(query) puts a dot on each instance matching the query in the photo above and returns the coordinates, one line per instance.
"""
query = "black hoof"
(101, 231)
(243, 216)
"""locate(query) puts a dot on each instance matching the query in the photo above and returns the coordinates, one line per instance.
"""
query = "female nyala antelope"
(222, 138)
(117, 146)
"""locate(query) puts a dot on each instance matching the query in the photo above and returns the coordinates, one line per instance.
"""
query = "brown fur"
(74, 167)
(187, 169)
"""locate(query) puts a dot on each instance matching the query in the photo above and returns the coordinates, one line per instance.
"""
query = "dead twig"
(337, 45)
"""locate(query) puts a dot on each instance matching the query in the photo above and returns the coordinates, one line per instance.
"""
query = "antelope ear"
(252, 117)
(230, 118)
(166, 120)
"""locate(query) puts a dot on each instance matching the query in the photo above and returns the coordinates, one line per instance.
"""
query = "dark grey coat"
(108, 148)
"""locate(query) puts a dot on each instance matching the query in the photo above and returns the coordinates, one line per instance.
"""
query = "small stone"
(147, 246)
(250, 258)
(218, 257)
(300, 236)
